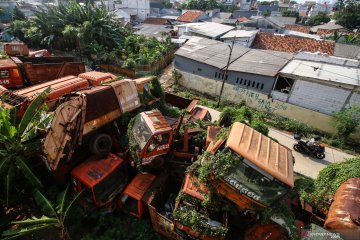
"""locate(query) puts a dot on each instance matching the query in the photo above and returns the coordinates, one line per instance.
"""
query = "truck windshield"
(141, 131)
(111, 185)
(248, 179)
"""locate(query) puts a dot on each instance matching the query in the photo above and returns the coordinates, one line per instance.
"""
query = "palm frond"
(44, 203)
(28, 173)
(61, 200)
(70, 205)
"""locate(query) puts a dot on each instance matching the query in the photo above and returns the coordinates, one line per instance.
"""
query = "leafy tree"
(19, 141)
(346, 121)
(56, 216)
(319, 19)
(167, 4)
(267, 13)
(349, 16)
(201, 5)
(264, 3)
(288, 13)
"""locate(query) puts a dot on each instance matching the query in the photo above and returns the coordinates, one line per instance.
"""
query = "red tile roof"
(155, 21)
(298, 28)
(243, 19)
(189, 16)
(292, 44)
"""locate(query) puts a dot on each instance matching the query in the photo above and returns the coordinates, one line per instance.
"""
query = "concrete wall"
(318, 97)
(257, 82)
(259, 101)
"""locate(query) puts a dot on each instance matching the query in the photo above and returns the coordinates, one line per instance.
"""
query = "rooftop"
(281, 21)
(210, 29)
(156, 21)
(151, 30)
(211, 52)
(189, 16)
(328, 26)
(278, 42)
(301, 34)
(322, 71)
(239, 34)
(298, 28)
(262, 62)
(346, 50)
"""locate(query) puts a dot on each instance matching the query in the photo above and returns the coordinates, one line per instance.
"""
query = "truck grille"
(12, 98)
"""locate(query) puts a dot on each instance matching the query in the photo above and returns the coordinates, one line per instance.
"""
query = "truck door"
(159, 144)
(65, 131)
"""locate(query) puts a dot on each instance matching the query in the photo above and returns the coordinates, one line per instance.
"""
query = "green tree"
(319, 19)
(56, 216)
(346, 121)
(349, 15)
(267, 13)
(19, 141)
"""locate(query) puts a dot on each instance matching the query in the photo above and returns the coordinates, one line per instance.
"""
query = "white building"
(141, 7)
(241, 37)
(318, 8)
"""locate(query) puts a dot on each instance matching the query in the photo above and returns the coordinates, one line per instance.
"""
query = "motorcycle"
(317, 150)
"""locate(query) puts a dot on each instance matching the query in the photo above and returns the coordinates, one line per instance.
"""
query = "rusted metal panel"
(139, 185)
(161, 224)
(268, 155)
(177, 101)
(61, 134)
(127, 95)
(190, 187)
(97, 78)
(14, 49)
(344, 213)
(156, 121)
(36, 73)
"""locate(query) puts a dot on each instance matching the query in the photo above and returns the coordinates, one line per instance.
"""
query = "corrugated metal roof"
(325, 58)
(346, 50)
(211, 29)
(262, 62)
(239, 34)
(211, 52)
(281, 21)
(328, 26)
(322, 71)
(301, 34)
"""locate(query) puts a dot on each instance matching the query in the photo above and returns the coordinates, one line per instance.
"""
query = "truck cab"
(264, 170)
(101, 180)
(152, 136)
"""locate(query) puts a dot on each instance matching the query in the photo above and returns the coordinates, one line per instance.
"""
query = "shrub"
(346, 121)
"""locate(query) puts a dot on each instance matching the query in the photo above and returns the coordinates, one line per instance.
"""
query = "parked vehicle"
(86, 118)
(20, 99)
(264, 173)
(315, 149)
(18, 72)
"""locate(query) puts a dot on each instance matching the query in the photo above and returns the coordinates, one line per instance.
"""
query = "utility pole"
(226, 70)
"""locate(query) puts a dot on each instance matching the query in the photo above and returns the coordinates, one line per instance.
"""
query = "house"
(286, 43)
(328, 28)
(125, 15)
(242, 37)
(191, 16)
(8, 7)
(156, 21)
(301, 35)
(248, 69)
(245, 13)
(321, 83)
(246, 4)
(279, 23)
(140, 7)
(221, 17)
(154, 30)
(347, 51)
(320, 8)
(210, 30)
(274, 6)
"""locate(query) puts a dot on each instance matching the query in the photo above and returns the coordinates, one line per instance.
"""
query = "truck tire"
(100, 145)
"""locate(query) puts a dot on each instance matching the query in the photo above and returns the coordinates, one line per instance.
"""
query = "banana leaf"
(45, 204)
(28, 173)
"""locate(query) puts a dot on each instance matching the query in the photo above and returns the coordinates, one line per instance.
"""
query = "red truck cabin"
(131, 200)
(10, 76)
(100, 179)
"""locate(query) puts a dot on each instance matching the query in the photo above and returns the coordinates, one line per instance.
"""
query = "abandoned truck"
(15, 49)
(78, 119)
(21, 99)
(18, 72)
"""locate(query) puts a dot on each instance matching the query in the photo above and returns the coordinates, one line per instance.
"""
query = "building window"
(237, 80)
(249, 83)
(262, 86)
(241, 81)
(215, 74)
(253, 85)
(245, 82)
(199, 69)
(226, 77)
(257, 85)
(283, 85)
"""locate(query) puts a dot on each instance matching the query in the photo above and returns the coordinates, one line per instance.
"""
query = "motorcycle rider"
(312, 143)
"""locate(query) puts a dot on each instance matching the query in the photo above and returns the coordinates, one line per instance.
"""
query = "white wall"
(142, 7)
(318, 97)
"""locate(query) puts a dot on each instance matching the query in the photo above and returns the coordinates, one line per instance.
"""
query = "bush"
(346, 121)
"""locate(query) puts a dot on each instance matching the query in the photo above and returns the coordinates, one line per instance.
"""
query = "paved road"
(304, 164)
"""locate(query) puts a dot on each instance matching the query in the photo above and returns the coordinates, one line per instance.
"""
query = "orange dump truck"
(264, 173)
(18, 72)
(344, 212)
(21, 99)
(21, 49)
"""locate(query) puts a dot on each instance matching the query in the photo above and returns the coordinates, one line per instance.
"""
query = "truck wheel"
(101, 145)
(157, 162)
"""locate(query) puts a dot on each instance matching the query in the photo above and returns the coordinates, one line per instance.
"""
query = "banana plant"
(56, 216)
(18, 141)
